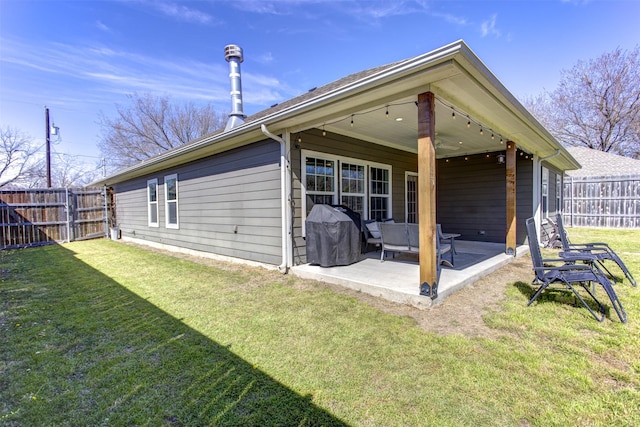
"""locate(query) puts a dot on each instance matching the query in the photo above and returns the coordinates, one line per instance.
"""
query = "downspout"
(285, 195)
(551, 156)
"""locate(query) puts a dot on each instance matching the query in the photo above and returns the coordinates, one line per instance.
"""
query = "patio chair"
(569, 273)
(372, 234)
(395, 238)
(598, 251)
(441, 238)
(550, 235)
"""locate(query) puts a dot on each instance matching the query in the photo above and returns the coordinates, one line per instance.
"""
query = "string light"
(454, 113)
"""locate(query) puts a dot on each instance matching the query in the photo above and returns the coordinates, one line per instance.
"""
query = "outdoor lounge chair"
(371, 234)
(569, 273)
(597, 251)
(406, 238)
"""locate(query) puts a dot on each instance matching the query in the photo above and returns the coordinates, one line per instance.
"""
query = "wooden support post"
(511, 198)
(427, 194)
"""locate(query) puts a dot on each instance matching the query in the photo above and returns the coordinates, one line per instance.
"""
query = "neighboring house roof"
(598, 163)
(453, 72)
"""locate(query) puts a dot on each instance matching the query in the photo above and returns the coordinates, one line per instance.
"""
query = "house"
(605, 192)
(435, 137)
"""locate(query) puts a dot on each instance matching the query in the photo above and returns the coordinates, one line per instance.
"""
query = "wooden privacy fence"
(41, 216)
(611, 202)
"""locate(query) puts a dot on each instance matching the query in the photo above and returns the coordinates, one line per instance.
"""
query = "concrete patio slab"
(398, 278)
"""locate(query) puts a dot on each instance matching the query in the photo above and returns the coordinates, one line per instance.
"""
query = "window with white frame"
(171, 200)
(152, 202)
(559, 193)
(353, 180)
(545, 192)
(379, 193)
(320, 174)
(365, 187)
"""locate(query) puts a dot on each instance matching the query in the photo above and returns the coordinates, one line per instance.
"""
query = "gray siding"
(239, 188)
(471, 197)
(339, 145)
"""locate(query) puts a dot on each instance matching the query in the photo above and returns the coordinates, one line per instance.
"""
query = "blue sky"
(81, 58)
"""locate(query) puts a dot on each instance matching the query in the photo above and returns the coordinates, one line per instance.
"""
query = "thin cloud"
(103, 27)
(106, 70)
(181, 12)
(451, 19)
(265, 58)
(370, 11)
(488, 27)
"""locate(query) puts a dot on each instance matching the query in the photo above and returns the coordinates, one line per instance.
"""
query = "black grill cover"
(333, 238)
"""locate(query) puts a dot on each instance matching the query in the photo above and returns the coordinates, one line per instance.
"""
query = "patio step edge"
(417, 301)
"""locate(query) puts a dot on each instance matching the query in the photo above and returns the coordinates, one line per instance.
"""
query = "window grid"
(320, 181)
(152, 203)
(171, 200)
(379, 193)
(545, 192)
(352, 182)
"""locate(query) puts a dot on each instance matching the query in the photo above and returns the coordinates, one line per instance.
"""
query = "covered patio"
(435, 139)
(395, 279)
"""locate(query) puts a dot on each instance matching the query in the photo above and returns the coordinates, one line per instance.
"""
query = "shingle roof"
(600, 163)
(316, 92)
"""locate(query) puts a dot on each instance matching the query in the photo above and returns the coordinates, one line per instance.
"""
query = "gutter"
(285, 196)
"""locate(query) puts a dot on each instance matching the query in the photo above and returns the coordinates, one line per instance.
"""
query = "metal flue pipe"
(233, 55)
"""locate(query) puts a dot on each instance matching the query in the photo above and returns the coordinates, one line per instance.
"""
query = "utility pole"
(48, 133)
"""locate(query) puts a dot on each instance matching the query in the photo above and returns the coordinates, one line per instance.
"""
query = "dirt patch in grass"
(461, 313)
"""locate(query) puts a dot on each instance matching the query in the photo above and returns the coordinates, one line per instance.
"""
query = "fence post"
(106, 212)
(68, 209)
(571, 200)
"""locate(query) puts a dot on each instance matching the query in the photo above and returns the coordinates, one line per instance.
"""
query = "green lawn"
(102, 333)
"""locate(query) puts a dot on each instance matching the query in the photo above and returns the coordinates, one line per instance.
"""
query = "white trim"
(150, 204)
(365, 184)
(559, 193)
(337, 193)
(544, 192)
(407, 174)
(167, 201)
(387, 196)
(537, 192)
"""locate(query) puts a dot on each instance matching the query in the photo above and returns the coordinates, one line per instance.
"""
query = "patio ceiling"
(396, 125)
(461, 84)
